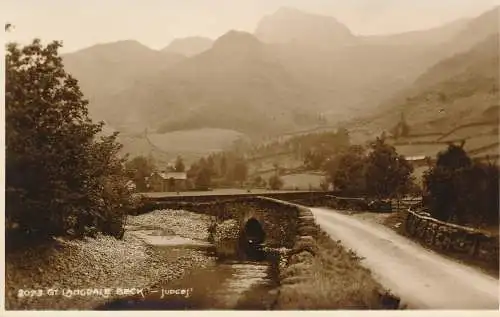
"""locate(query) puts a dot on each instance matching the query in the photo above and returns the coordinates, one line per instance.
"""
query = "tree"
(454, 158)
(179, 165)
(223, 165)
(240, 171)
(438, 181)
(275, 182)
(138, 169)
(203, 178)
(60, 178)
(402, 129)
(324, 184)
(258, 181)
(346, 171)
(343, 138)
(462, 191)
(315, 158)
(388, 174)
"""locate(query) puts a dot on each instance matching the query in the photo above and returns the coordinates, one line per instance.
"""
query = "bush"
(388, 175)
(60, 178)
(346, 171)
(462, 191)
(275, 182)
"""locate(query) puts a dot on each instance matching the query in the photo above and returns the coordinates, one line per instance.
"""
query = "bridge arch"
(253, 232)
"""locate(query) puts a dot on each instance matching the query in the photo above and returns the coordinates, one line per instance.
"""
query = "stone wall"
(334, 202)
(307, 261)
(450, 237)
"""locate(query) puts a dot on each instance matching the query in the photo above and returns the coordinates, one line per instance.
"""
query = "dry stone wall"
(450, 237)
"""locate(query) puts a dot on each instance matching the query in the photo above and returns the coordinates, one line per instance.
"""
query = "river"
(246, 281)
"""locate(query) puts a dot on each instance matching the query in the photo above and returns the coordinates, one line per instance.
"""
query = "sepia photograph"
(251, 155)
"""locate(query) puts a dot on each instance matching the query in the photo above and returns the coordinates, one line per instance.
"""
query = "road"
(423, 279)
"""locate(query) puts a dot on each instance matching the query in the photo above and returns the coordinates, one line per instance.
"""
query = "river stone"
(300, 268)
(294, 280)
(305, 212)
(306, 239)
(302, 256)
(306, 223)
(307, 230)
(274, 292)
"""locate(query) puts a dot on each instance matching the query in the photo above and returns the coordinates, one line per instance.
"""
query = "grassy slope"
(334, 279)
(190, 144)
(458, 90)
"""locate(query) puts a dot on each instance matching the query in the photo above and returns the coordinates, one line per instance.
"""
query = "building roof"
(131, 184)
(430, 150)
(415, 158)
(174, 175)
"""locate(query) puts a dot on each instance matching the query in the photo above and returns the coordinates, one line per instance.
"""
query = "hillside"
(106, 69)
(350, 75)
(295, 71)
(458, 90)
(236, 85)
(289, 25)
(190, 144)
(461, 87)
(189, 46)
(433, 36)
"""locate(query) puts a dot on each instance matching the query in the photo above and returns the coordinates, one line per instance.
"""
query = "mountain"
(106, 69)
(429, 37)
(289, 25)
(189, 46)
(238, 84)
(277, 80)
(458, 90)
(478, 29)
(347, 75)
(450, 59)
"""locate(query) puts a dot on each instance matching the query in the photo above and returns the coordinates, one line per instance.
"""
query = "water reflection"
(240, 279)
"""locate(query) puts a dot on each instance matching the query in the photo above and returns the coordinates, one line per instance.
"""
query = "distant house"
(167, 181)
(131, 185)
(418, 161)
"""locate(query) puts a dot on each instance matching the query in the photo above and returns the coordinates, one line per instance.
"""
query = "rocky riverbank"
(45, 275)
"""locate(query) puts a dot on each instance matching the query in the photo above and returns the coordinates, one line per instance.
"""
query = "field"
(302, 181)
(200, 140)
(190, 144)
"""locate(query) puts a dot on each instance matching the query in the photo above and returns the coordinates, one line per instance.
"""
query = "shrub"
(388, 174)
(462, 191)
(275, 182)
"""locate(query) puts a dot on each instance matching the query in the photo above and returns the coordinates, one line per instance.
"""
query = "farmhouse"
(167, 181)
(131, 185)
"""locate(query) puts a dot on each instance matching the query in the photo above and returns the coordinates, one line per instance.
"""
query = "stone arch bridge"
(280, 222)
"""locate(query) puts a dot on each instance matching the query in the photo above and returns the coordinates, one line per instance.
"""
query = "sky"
(155, 23)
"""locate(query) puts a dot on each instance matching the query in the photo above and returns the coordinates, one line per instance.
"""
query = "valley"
(199, 95)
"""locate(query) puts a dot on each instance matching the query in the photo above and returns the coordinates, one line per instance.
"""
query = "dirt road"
(423, 279)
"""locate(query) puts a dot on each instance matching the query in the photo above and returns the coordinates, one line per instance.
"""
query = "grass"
(199, 140)
(399, 218)
(333, 279)
(190, 144)
(302, 181)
